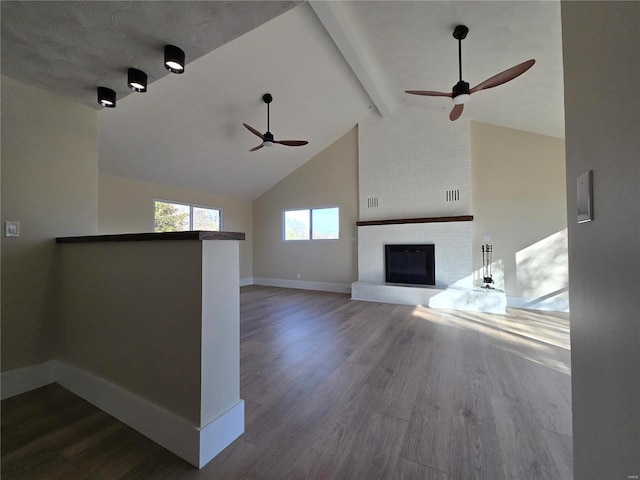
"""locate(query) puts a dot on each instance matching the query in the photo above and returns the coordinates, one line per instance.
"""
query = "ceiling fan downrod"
(460, 92)
(267, 98)
(460, 33)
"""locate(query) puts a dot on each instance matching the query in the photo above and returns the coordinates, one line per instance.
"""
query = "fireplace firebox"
(413, 264)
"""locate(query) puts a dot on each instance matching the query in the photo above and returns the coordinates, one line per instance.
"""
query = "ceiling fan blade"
(291, 143)
(257, 148)
(253, 130)
(429, 93)
(504, 77)
(456, 111)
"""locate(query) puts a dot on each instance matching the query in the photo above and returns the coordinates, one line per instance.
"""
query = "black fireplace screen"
(410, 264)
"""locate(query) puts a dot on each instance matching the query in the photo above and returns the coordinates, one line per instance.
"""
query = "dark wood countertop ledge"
(397, 221)
(146, 237)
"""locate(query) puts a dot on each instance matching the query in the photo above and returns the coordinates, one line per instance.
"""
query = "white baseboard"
(303, 285)
(188, 441)
(246, 281)
(25, 379)
(219, 433)
(163, 427)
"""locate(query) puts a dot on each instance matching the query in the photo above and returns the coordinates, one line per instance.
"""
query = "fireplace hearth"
(410, 264)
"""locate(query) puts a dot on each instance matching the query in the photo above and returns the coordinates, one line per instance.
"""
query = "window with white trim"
(311, 224)
(180, 217)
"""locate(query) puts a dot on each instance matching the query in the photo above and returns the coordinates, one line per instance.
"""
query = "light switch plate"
(11, 229)
(585, 197)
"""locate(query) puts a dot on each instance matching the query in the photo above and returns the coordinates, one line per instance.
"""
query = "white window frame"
(310, 239)
(191, 207)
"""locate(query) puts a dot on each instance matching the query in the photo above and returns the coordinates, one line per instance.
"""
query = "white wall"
(49, 185)
(220, 349)
(602, 111)
(407, 162)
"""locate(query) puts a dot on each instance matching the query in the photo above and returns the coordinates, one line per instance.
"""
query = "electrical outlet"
(11, 229)
(298, 275)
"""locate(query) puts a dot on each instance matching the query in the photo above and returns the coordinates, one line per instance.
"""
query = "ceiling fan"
(267, 137)
(461, 91)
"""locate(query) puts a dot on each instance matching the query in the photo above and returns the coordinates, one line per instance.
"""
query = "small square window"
(312, 224)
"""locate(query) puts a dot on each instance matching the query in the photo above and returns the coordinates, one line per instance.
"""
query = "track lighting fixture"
(173, 59)
(137, 80)
(106, 97)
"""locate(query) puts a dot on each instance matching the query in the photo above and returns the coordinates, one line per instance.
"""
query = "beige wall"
(601, 75)
(133, 320)
(519, 200)
(49, 185)
(328, 179)
(125, 205)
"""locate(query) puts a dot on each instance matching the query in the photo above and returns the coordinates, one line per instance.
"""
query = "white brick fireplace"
(415, 164)
(452, 249)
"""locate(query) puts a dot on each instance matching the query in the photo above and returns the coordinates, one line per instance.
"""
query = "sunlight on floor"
(538, 332)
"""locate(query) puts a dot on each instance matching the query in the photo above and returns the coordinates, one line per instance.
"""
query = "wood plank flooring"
(341, 389)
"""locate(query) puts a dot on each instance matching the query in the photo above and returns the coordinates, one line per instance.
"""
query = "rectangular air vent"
(453, 195)
(372, 202)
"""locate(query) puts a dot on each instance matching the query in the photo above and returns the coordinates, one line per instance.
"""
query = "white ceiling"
(327, 64)
(412, 48)
(187, 129)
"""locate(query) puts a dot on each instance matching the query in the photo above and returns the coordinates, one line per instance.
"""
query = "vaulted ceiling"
(327, 65)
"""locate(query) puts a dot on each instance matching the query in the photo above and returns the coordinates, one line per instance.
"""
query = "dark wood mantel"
(397, 221)
(145, 237)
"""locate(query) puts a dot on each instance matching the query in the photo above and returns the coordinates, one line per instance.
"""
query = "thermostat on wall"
(11, 229)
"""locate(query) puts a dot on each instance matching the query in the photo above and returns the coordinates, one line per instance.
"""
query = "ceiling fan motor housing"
(460, 92)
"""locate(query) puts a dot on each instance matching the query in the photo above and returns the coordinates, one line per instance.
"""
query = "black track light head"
(173, 59)
(106, 97)
(137, 80)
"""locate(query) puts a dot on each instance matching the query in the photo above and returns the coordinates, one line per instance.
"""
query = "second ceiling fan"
(461, 91)
(267, 137)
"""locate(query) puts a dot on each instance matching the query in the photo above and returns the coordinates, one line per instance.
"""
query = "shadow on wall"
(542, 271)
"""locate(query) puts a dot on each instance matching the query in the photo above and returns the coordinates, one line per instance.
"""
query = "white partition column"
(150, 333)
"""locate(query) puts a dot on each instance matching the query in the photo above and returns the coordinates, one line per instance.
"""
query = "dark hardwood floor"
(341, 389)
